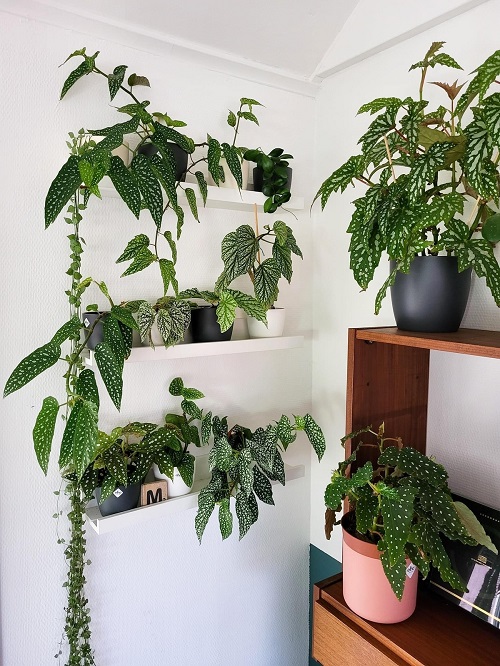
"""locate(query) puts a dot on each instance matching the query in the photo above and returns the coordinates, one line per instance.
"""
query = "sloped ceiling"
(290, 43)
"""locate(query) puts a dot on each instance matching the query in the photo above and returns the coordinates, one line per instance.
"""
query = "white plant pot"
(229, 179)
(275, 325)
(175, 488)
(155, 337)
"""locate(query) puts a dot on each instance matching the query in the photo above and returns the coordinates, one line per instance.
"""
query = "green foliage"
(43, 432)
(274, 176)
(402, 505)
(438, 162)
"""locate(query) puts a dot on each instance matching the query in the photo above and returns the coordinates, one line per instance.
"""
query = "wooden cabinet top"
(437, 634)
(475, 342)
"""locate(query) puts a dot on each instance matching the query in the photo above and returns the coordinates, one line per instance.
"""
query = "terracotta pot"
(366, 589)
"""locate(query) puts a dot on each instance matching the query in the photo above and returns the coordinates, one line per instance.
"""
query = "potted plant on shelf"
(242, 252)
(214, 322)
(272, 176)
(243, 464)
(399, 508)
(432, 181)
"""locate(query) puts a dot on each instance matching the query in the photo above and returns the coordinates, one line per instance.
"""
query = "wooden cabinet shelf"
(388, 381)
(437, 634)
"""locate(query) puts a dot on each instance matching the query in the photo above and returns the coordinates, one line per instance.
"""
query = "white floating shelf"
(219, 197)
(197, 349)
(117, 521)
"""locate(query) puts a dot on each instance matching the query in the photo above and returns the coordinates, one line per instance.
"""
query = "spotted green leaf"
(233, 162)
(285, 432)
(163, 460)
(176, 386)
(485, 265)
(66, 451)
(142, 260)
(165, 173)
(31, 366)
(262, 486)
(83, 69)
(397, 512)
(380, 103)
(68, 330)
(143, 462)
(225, 518)
(226, 310)
(206, 505)
(114, 339)
(160, 438)
(231, 119)
(186, 469)
(191, 393)
(394, 571)
(145, 318)
(202, 184)
(245, 471)
(84, 437)
(206, 428)
(124, 316)
(170, 134)
(86, 386)
(149, 187)
(116, 464)
(315, 435)
(115, 80)
(485, 76)
(266, 277)
(43, 431)
(213, 156)
(367, 509)
(424, 169)
(127, 338)
(167, 270)
(244, 513)
(108, 487)
(125, 184)
(191, 199)
(221, 456)
(250, 305)
(62, 188)
(110, 372)
(341, 178)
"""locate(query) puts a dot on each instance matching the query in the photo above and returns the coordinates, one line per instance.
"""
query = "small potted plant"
(432, 179)
(214, 322)
(174, 462)
(400, 505)
(272, 176)
(243, 464)
(243, 251)
(122, 461)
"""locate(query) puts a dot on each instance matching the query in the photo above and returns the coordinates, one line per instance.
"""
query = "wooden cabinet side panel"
(387, 383)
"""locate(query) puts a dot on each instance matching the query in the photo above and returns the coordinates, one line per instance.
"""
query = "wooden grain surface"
(437, 634)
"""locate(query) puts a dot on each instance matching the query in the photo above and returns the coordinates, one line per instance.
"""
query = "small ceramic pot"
(97, 334)
(175, 487)
(274, 328)
(124, 498)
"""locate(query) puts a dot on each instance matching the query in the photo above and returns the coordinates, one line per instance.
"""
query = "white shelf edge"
(197, 349)
(220, 197)
(104, 524)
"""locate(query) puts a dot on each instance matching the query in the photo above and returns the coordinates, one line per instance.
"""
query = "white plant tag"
(410, 569)
(86, 322)
(119, 493)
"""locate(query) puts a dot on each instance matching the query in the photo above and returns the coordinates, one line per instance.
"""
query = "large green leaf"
(165, 172)
(367, 509)
(397, 512)
(170, 134)
(225, 518)
(83, 69)
(206, 428)
(485, 76)
(486, 265)
(262, 486)
(167, 270)
(341, 178)
(191, 199)
(31, 366)
(202, 184)
(114, 339)
(245, 471)
(62, 188)
(43, 432)
(266, 277)
(238, 252)
(145, 318)
(186, 469)
(206, 505)
(66, 451)
(110, 372)
(149, 187)
(477, 153)
(226, 310)
(491, 114)
(221, 456)
(379, 127)
(250, 305)
(164, 461)
(116, 464)
(161, 438)
(84, 437)
(142, 260)
(124, 316)
(424, 169)
(68, 330)
(125, 184)
(394, 571)
(244, 513)
(213, 157)
(233, 162)
(86, 386)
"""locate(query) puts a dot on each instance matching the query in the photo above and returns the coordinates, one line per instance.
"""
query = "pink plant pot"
(366, 589)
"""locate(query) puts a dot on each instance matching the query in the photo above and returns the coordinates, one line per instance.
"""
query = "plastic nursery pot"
(204, 326)
(365, 586)
(258, 177)
(432, 297)
(274, 328)
(181, 157)
(124, 498)
(97, 334)
(176, 486)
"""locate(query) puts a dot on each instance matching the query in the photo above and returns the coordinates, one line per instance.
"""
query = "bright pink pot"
(366, 589)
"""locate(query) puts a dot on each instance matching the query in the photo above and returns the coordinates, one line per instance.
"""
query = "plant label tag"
(119, 493)
(86, 322)
(410, 570)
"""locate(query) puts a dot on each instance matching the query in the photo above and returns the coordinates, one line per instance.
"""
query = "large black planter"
(204, 326)
(181, 157)
(432, 297)
(128, 499)
(258, 177)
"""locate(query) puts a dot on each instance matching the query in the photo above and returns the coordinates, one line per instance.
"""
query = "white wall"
(462, 427)
(157, 597)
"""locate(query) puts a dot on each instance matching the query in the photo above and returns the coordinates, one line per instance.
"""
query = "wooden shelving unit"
(388, 380)
(437, 634)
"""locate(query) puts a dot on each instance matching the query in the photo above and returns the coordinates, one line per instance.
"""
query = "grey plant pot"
(97, 334)
(432, 297)
(128, 499)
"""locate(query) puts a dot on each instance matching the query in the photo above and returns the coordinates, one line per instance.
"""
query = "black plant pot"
(204, 326)
(432, 297)
(128, 499)
(258, 177)
(97, 334)
(181, 157)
